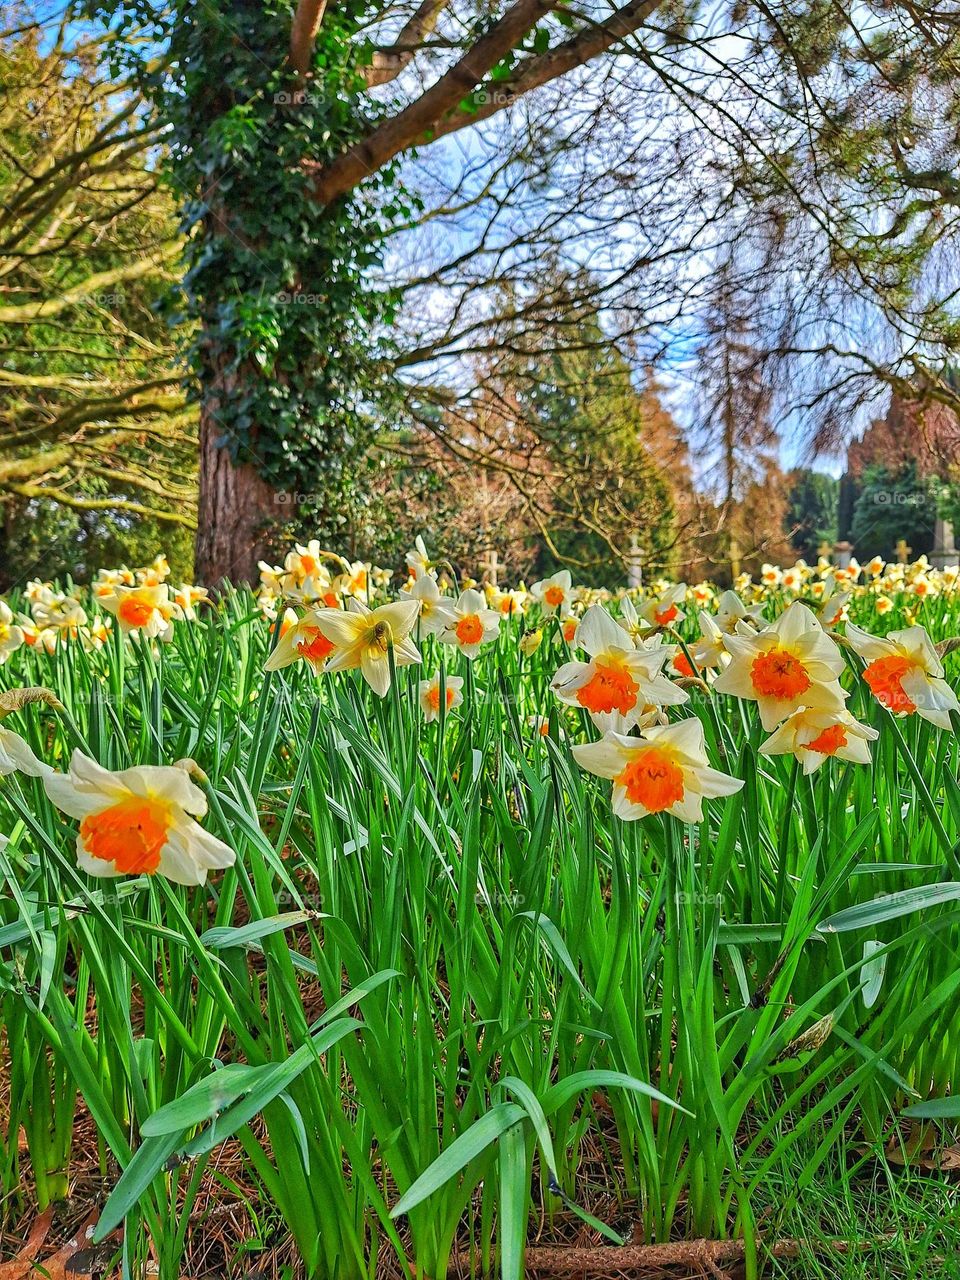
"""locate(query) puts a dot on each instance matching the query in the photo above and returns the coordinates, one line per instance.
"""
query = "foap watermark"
(295, 98)
(294, 498)
(490, 97)
(490, 900)
(297, 299)
(897, 498)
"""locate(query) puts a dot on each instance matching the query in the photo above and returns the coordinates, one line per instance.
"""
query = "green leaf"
(458, 1155)
(889, 907)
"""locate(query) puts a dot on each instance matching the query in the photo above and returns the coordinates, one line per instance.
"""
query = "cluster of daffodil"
(885, 584)
(790, 667)
(627, 667)
(141, 600)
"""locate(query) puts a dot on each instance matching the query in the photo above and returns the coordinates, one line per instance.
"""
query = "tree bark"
(237, 511)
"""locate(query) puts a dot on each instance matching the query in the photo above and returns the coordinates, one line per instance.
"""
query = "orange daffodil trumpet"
(664, 770)
(138, 821)
(473, 626)
(813, 736)
(791, 664)
(904, 673)
(620, 681)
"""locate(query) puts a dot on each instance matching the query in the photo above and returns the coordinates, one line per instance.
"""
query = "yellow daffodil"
(531, 641)
(300, 639)
(362, 637)
(143, 611)
(507, 603)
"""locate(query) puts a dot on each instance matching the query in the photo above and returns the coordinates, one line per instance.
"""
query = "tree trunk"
(237, 511)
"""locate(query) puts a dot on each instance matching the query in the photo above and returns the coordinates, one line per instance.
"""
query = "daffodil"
(143, 611)
(731, 612)
(833, 610)
(300, 639)
(430, 695)
(305, 561)
(154, 573)
(531, 641)
(553, 593)
(665, 770)
(11, 635)
(508, 603)
(709, 650)
(362, 638)
(436, 610)
(16, 756)
(139, 821)
(814, 736)
(355, 581)
(791, 664)
(187, 597)
(418, 562)
(905, 674)
(474, 624)
(664, 610)
(569, 627)
(619, 680)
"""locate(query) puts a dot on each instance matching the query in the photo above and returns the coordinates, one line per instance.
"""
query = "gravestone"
(944, 551)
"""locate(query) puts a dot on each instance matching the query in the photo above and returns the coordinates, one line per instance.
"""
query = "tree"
(738, 441)
(287, 169)
(289, 126)
(92, 416)
(812, 510)
(892, 505)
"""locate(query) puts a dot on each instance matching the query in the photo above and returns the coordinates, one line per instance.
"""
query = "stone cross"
(903, 551)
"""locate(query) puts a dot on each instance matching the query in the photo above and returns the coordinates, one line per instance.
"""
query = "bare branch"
(403, 130)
